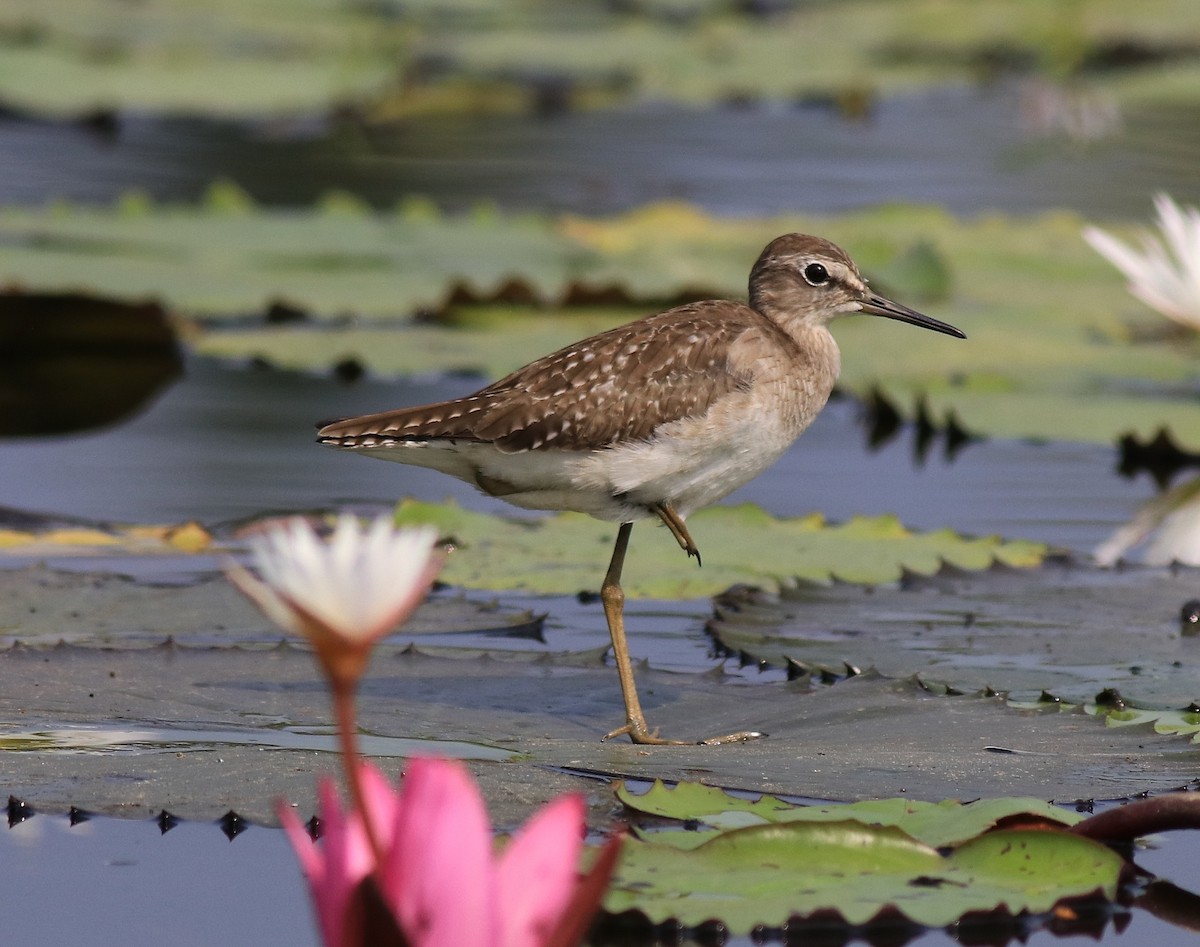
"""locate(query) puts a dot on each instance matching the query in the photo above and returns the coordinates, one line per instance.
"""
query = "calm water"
(196, 887)
(964, 148)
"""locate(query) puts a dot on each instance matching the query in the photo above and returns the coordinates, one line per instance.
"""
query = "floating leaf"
(935, 824)
(226, 257)
(568, 552)
(1069, 632)
(45, 608)
(764, 875)
(1181, 723)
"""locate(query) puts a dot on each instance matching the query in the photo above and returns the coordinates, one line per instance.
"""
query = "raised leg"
(613, 597)
(673, 522)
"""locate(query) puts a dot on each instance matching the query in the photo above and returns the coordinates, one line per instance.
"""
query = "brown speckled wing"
(616, 386)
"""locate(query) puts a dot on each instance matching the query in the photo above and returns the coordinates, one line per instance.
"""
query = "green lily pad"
(489, 348)
(935, 824)
(252, 58)
(225, 256)
(569, 552)
(764, 875)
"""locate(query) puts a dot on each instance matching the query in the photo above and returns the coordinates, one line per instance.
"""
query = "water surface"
(965, 148)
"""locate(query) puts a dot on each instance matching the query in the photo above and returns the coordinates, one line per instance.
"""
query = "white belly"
(688, 464)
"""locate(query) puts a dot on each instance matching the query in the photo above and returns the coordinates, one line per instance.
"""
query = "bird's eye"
(816, 274)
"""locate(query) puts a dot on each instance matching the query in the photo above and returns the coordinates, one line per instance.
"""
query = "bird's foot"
(641, 734)
(674, 522)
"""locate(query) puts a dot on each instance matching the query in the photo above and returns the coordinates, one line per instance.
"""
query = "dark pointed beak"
(878, 306)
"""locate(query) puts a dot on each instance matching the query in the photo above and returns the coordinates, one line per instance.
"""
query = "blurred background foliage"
(386, 58)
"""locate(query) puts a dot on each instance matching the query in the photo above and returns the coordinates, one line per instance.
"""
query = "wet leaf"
(1183, 723)
(1068, 632)
(45, 608)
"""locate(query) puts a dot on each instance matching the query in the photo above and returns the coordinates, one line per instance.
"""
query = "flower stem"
(347, 724)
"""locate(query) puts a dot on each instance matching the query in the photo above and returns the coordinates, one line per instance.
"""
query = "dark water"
(964, 148)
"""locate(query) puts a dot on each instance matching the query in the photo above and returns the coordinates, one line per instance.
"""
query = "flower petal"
(587, 897)
(264, 596)
(336, 866)
(381, 800)
(1165, 274)
(1120, 255)
(358, 586)
(439, 879)
(538, 873)
(302, 843)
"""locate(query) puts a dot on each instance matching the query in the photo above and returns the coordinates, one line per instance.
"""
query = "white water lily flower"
(1169, 525)
(1163, 275)
(356, 587)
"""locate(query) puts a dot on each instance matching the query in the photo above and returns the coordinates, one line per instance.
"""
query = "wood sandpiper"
(653, 419)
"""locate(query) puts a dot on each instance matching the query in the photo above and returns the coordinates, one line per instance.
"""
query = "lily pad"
(227, 257)
(1185, 722)
(765, 875)
(192, 661)
(568, 552)
(1068, 632)
(249, 59)
(935, 824)
(47, 608)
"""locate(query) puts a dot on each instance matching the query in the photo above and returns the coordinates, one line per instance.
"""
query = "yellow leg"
(613, 597)
(673, 522)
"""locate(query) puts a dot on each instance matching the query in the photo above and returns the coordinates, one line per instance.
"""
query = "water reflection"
(71, 362)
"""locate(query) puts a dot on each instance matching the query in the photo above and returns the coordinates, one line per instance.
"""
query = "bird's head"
(806, 279)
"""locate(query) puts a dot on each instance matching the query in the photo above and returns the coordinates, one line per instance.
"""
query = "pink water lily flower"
(437, 881)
